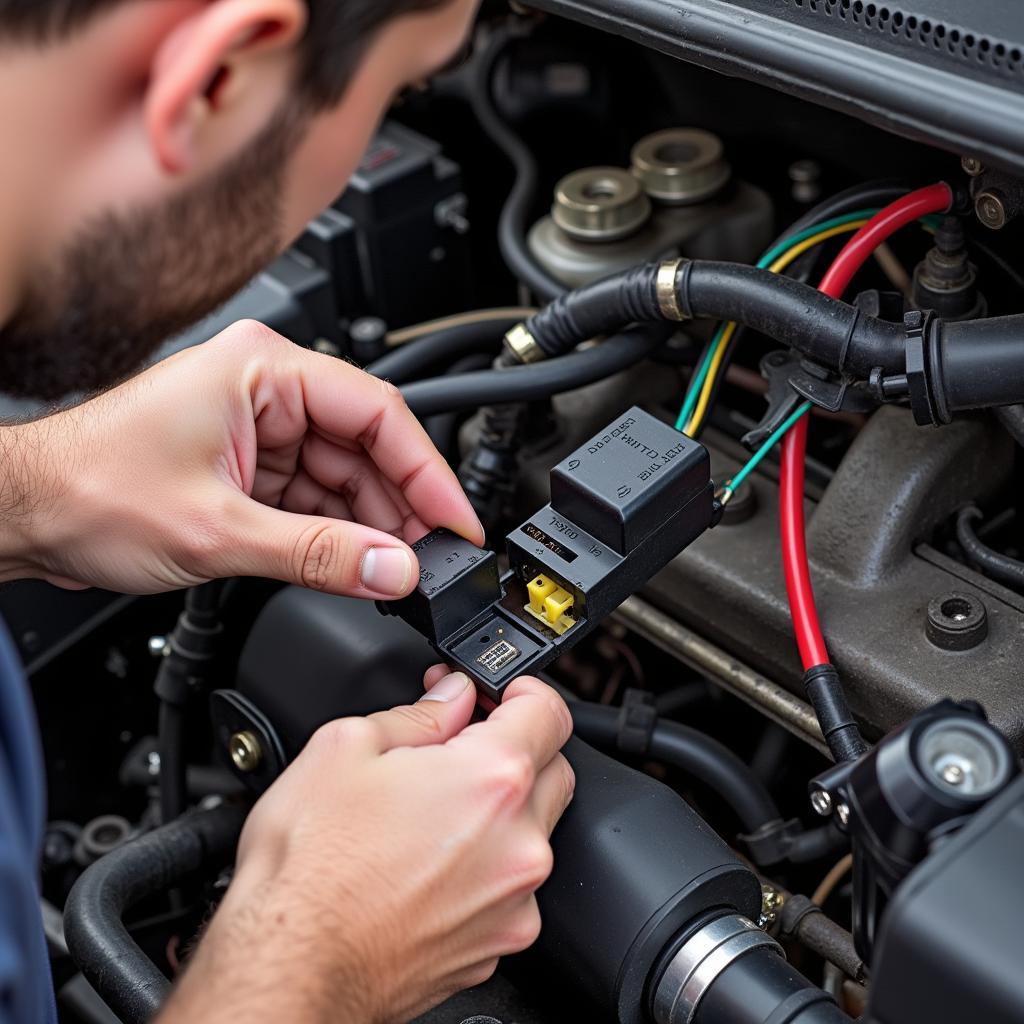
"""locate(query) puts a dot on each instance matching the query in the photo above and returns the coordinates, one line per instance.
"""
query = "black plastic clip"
(777, 368)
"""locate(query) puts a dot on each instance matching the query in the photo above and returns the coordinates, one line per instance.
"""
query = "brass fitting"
(668, 300)
(522, 344)
(246, 752)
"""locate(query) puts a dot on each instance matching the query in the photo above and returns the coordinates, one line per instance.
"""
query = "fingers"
(531, 718)
(355, 477)
(552, 793)
(318, 553)
(438, 715)
(345, 405)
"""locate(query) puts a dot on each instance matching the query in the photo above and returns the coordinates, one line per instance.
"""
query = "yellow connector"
(551, 604)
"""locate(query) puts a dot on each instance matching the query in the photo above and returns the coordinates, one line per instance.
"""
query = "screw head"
(153, 763)
(972, 166)
(821, 801)
(246, 752)
(953, 774)
(990, 210)
(843, 813)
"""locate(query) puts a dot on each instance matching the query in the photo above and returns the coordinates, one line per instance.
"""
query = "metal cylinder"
(681, 165)
(731, 972)
(600, 204)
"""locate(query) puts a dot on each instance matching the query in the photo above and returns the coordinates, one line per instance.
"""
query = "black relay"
(622, 506)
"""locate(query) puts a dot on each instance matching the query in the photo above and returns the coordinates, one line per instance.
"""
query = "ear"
(194, 64)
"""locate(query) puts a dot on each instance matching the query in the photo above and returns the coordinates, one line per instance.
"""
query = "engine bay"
(725, 351)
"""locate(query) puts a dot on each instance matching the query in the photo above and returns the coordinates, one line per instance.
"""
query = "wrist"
(32, 479)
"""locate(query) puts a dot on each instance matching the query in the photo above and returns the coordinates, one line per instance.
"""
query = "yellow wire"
(777, 267)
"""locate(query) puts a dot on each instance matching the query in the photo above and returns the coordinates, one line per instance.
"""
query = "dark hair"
(338, 34)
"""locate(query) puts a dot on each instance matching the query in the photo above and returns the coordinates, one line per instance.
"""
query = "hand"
(391, 865)
(246, 456)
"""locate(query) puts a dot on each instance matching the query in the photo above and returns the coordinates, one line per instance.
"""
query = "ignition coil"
(623, 505)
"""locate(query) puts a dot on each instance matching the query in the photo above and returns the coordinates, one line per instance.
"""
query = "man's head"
(161, 151)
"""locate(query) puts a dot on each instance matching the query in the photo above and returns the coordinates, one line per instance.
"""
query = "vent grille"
(934, 36)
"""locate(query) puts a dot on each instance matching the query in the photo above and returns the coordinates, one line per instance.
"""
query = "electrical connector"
(550, 603)
(622, 506)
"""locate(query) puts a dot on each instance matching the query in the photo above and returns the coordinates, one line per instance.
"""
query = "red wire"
(806, 625)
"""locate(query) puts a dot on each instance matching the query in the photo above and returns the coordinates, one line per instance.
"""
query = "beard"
(129, 281)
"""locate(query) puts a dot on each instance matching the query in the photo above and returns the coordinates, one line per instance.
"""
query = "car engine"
(717, 308)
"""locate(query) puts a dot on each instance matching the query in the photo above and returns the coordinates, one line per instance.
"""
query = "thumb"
(319, 553)
(441, 713)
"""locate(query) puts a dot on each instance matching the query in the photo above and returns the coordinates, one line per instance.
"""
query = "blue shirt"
(26, 990)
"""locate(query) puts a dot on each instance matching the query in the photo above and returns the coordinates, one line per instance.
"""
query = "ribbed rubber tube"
(112, 962)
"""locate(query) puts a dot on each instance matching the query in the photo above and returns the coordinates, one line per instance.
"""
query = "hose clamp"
(665, 287)
(700, 961)
(523, 346)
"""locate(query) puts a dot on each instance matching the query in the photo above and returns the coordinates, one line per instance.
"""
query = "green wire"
(698, 381)
(736, 482)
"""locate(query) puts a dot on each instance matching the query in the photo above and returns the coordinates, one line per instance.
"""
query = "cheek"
(326, 158)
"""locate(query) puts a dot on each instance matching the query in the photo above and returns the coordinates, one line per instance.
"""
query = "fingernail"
(448, 688)
(386, 571)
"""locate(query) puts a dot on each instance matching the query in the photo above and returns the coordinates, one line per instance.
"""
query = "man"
(155, 154)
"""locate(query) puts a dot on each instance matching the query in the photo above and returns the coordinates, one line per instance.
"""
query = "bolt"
(972, 166)
(953, 774)
(153, 763)
(771, 904)
(991, 210)
(843, 814)
(821, 801)
(246, 752)
(159, 646)
(805, 177)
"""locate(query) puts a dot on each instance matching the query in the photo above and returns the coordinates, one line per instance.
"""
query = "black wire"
(411, 360)
(185, 663)
(442, 427)
(513, 222)
(538, 380)
(1001, 568)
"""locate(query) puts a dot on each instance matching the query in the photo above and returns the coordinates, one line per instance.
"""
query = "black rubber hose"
(514, 221)
(761, 988)
(411, 360)
(693, 752)
(830, 332)
(536, 381)
(1001, 568)
(128, 981)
